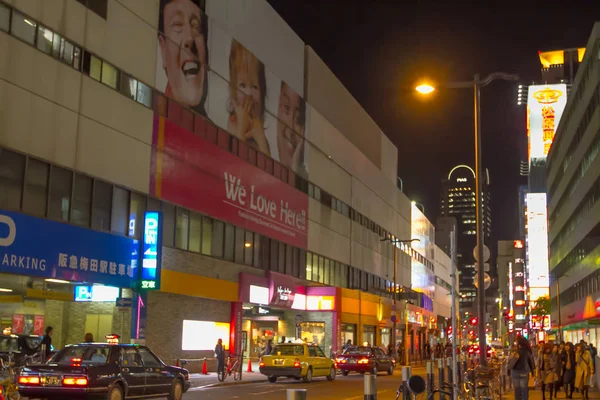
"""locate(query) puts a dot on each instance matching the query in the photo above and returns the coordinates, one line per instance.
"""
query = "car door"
(158, 378)
(322, 362)
(133, 372)
(382, 359)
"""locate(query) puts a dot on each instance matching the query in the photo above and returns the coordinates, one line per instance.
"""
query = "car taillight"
(75, 381)
(296, 363)
(261, 363)
(29, 380)
(341, 360)
(363, 361)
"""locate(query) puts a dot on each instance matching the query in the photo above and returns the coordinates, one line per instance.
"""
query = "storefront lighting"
(5, 290)
(52, 280)
(247, 244)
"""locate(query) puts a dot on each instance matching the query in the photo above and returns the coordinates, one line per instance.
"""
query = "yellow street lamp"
(424, 88)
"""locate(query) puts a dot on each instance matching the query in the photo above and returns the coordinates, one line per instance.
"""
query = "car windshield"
(288, 350)
(8, 343)
(358, 350)
(87, 354)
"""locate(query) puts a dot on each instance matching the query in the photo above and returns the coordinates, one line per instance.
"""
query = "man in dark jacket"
(220, 356)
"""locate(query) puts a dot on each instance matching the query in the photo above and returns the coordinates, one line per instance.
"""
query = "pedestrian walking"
(47, 343)
(568, 367)
(347, 345)
(547, 368)
(220, 356)
(521, 364)
(268, 348)
(584, 370)
(557, 352)
(390, 350)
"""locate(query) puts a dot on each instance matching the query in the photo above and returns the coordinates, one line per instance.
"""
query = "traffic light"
(473, 321)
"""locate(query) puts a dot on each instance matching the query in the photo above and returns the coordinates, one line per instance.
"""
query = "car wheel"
(345, 373)
(176, 391)
(374, 370)
(331, 375)
(391, 370)
(115, 393)
(272, 379)
(308, 377)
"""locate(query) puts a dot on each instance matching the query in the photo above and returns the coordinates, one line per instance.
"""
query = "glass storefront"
(369, 335)
(348, 333)
(386, 337)
(313, 332)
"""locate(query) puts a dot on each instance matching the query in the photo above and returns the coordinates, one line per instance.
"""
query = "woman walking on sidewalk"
(568, 367)
(584, 370)
(547, 368)
(520, 366)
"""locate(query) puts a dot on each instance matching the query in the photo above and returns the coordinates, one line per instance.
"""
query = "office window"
(207, 234)
(4, 18)
(274, 255)
(35, 197)
(101, 206)
(218, 236)
(67, 49)
(289, 264)
(57, 41)
(229, 242)
(100, 7)
(110, 75)
(137, 208)
(295, 264)
(128, 85)
(23, 28)
(12, 167)
(281, 260)
(144, 94)
(120, 208)
(261, 246)
(182, 231)
(93, 66)
(168, 212)
(82, 200)
(76, 57)
(249, 248)
(44, 39)
(195, 232)
(240, 238)
(308, 268)
(61, 182)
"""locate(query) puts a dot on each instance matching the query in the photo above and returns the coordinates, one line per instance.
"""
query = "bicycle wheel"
(221, 376)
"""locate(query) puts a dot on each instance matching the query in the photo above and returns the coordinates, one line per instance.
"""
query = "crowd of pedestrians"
(554, 367)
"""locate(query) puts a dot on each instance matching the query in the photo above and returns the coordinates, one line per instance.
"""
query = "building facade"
(458, 201)
(573, 210)
(189, 156)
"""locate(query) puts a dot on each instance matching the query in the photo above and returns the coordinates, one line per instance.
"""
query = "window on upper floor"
(99, 7)
(4, 18)
(23, 28)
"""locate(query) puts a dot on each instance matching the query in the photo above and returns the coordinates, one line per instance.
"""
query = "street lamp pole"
(476, 85)
(395, 297)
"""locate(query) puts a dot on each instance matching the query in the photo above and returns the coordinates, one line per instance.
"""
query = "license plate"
(51, 381)
(351, 361)
(278, 362)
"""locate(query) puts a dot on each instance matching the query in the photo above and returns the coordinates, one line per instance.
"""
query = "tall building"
(458, 201)
(131, 159)
(573, 207)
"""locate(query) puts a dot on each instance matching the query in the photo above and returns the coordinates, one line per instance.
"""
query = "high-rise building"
(573, 204)
(458, 201)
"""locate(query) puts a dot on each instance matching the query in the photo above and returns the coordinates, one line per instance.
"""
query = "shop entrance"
(30, 304)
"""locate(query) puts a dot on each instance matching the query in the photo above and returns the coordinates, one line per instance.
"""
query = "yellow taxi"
(297, 360)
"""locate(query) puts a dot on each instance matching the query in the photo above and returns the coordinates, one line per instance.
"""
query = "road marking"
(268, 391)
(362, 396)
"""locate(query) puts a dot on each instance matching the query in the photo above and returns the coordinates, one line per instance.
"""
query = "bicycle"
(234, 365)
(8, 384)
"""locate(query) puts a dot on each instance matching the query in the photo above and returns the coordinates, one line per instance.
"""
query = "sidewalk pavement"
(211, 380)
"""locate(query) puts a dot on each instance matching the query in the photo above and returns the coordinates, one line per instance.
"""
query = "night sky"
(380, 48)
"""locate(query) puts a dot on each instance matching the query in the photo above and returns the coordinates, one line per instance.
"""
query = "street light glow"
(424, 88)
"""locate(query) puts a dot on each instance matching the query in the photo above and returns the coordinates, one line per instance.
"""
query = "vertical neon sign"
(151, 250)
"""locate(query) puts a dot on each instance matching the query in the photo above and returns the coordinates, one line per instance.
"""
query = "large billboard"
(205, 69)
(545, 106)
(537, 242)
(194, 173)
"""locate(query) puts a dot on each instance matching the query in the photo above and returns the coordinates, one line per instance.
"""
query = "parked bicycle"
(232, 366)
(8, 378)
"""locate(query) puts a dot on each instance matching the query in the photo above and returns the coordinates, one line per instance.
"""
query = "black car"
(110, 371)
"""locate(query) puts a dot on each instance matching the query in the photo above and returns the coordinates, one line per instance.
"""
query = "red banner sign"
(17, 323)
(194, 173)
(38, 325)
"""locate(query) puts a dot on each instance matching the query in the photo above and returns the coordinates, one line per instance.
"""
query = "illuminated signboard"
(545, 106)
(518, 244)
(151, 250)
(319, 303)
(537, 241)
(259, 294)
(203, 335)
(96, 293)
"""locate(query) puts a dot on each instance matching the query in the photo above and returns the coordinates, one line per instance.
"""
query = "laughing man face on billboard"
(182, 39)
